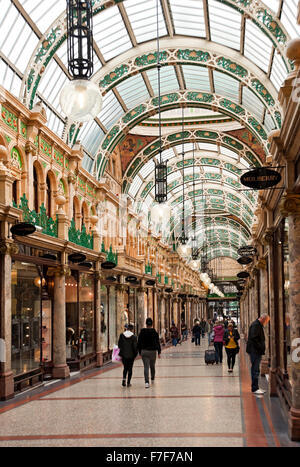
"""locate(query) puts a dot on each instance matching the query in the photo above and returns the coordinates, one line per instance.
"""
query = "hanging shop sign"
(247, 251)
(131, 279)
(111, 278)
(108, 265)
(23, 229)
(260, 178)
(150, 282)
(243, 275)
(245, 260)
(77, 257)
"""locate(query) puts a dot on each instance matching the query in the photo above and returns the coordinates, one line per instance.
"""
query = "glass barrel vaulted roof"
(233, 51)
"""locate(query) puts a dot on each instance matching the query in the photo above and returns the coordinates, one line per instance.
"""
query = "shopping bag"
(115, 355)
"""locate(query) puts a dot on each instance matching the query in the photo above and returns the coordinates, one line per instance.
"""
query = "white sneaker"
(259, 391)
(147, 385)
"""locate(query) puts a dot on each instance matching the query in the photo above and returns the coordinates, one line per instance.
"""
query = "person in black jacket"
(256, 349)
(196, 331)
(128, 351)
(148, 345)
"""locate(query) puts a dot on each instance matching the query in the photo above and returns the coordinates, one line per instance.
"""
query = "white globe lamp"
(81, 100)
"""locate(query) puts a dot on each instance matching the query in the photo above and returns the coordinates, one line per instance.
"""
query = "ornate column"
(7, 247)
(60, 367)
(290, 208)
(120, 308)
(162, 316)
(142, 311)
(262, 267)
(99, 353)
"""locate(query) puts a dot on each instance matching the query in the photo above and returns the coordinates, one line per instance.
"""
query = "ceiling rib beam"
(167, 17)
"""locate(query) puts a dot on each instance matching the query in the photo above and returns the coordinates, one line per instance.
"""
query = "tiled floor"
(190, 404)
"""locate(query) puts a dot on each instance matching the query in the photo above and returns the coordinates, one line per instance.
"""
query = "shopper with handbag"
(218, 341)
(128, 351)
(231, 340)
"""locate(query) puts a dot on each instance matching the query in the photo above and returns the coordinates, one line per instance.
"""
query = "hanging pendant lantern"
(80, 38)
(161, 182)
(81, 99)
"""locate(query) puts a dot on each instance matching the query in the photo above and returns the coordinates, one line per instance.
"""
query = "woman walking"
(218, 341)
(128, 351)
(231, 338)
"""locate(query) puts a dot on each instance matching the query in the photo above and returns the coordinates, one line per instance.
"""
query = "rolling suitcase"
(210, 356)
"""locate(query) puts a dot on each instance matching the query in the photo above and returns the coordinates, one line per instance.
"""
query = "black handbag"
(193, 339)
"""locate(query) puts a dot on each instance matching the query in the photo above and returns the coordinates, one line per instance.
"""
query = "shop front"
(80, 320)
(31, 315)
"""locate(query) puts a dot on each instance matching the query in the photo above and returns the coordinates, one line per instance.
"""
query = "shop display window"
(104, 318)
(286, 296)
(72, 335)
(26, 317)
(86, 314)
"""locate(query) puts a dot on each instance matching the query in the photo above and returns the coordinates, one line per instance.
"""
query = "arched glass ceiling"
(30, 35)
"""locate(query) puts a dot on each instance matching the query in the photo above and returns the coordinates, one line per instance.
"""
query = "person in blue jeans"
(256, 349)
(174, 334)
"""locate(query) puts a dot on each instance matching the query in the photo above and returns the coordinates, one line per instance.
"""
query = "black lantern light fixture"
(81, 99)
(160, 212)
(195, 249)
(183, 239)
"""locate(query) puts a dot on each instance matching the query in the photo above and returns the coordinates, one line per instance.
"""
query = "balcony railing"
(40, 218)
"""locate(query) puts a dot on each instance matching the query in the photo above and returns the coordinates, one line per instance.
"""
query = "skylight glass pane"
(279, 71)
(273, 5)
(142, 16)
(229, 153)
(252, 103)
(133, 91)
(43, 13)
(52, 83)
(90, 136)
(168, 79)
(9, 79)
(87, 162)
(188, 17)
(225, 24)
(289, 18)
(54, 122)
(147, 169)
(258, 46)
(196, 78)
(110, 33)
(111, 111)
(208, 147)
(17, 41)
(135, 185)
(226, 86)
(269, 122)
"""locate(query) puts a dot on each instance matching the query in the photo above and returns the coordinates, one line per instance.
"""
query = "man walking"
(148, 345)
(256, 349)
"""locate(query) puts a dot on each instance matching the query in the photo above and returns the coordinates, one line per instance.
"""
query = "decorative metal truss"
(56, 35)
(124, 46)
(236, 69)
(173, 100)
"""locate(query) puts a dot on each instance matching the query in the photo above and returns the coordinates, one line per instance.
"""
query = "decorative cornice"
(8, 248)
(290, 204)
(61, 270)
(267, 237)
